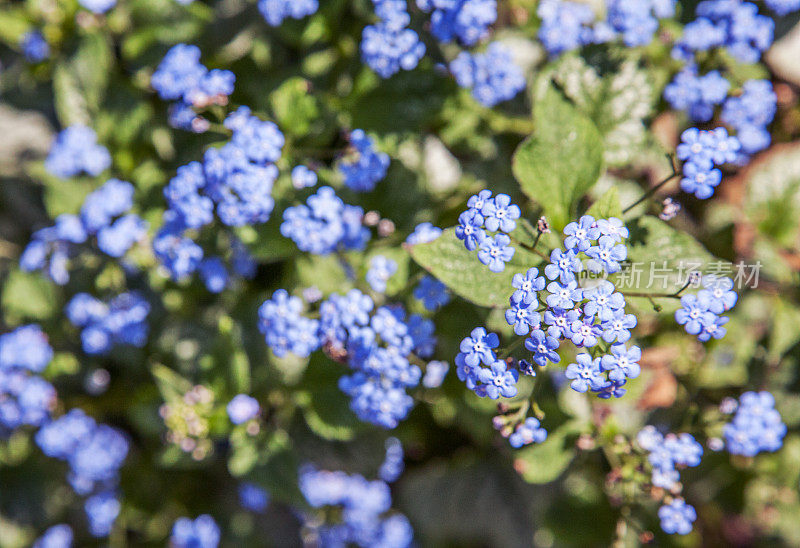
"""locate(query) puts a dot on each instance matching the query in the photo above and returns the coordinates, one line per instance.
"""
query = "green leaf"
(460, 270)
(171, 385)
(325, 407)
(561, 160)
(295, 108)
(619, 101)
(28, 296)
(545, 462)
(70, 103)
(607, 205)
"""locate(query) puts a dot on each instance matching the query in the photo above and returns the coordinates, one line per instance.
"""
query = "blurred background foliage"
(464, 485)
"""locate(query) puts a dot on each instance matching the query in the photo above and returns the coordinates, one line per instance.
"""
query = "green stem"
(653, 190)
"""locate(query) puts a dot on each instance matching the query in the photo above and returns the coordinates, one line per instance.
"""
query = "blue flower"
(495, 252)
(523, 316)
(560, 320)
(712, 327)
(527, 286)
(677, 517)
(500, 214)
(613, 228)
(566, 25)
(203, 532)
(435, 373)
(604, 300)
(543, 347)
(691, 315)
(581, 234)
(696, 94)
(392, 466)
(34, 46)
(697, 147)
(721, 296)
(424, 233)
(380, 270)
(477, 201)
(242, 408)
(563, 265)
(750, 113)
(585, 332)
(102, 511)
(527, 432)
(302, 177)
(432, 293)
(366, 165)
(585, 374)
(618, 327)
(253, 498)
(607, 255)
(470, 229)
(563, 295)
(622, 363)
(466, 373)
(499, 380)
(699, 180)
(479, 347)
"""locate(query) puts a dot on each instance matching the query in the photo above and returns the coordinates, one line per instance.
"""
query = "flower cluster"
(390, 46)
(95, 453)
(365, 505)
(734, 25)
(324, 224)
(34, 46)
(697, 95)
(493, 381)
(590, 316)
(181, 77)
(188, 421)
(378, 346)
(104, 216)
(364, 166)
(202, 532)
(567, 26)
(701, 312)
(25, 397)
(495, 214)
(467, 21)
(492, 76)
(750, 113)
(756, 427)
(701, 151)
(667, 455)
(234, 180)
(636, 20)
(76, 151)
(275, 11)
(104, 325)
(380, 270)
